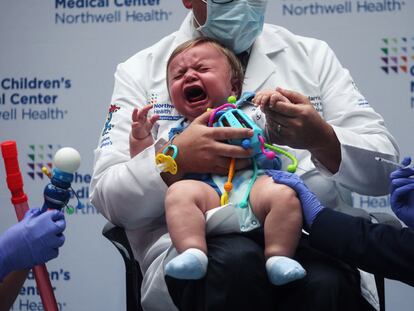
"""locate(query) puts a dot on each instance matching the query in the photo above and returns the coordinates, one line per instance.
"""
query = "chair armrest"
(117, 236)
(386, 219)
(133, 276)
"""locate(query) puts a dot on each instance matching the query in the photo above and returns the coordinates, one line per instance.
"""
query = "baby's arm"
(268, 101)
(140, 136)
(268, 98)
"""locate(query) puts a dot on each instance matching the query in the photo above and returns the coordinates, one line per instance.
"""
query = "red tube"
(19, 199)
(13, 176)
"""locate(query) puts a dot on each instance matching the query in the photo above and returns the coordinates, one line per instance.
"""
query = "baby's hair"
(236, 68)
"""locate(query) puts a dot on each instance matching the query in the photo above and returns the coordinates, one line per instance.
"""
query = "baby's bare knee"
(176, 193)
(279, 191)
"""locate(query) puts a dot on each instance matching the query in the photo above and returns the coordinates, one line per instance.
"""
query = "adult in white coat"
(335, 134)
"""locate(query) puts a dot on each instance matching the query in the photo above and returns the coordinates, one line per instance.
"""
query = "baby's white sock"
(189, 265)
(282, 270)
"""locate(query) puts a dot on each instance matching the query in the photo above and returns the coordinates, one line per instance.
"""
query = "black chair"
(133, 275)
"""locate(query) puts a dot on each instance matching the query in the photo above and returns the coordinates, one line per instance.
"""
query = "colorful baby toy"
(231, 115)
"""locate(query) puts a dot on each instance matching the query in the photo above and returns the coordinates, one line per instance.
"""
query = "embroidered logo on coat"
(316, 102)
(108, 125)
(164, 109)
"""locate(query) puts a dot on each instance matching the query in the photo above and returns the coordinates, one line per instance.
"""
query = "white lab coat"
(130, 192)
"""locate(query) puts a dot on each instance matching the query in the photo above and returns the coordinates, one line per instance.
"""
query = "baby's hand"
(268, 98)
(141, 124)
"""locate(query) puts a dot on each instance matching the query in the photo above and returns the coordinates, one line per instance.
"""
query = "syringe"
(379, 159)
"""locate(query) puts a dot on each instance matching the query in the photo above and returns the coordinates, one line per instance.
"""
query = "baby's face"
(199, 78)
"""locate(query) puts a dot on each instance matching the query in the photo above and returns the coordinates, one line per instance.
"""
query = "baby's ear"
(235, 88)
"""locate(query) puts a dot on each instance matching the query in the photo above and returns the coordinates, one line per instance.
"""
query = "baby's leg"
(186, 203)
(278, 209)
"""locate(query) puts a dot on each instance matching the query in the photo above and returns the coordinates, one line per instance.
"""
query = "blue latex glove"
(402, 193)
(311, 206)
(32, 241)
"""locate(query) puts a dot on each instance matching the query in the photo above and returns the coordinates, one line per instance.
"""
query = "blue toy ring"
(174, 148)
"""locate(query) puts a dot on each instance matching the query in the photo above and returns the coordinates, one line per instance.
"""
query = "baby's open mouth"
(194, 93)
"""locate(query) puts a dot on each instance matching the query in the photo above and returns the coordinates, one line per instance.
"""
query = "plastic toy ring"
(174, 149)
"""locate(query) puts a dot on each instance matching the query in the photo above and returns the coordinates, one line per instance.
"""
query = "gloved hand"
(402, 193)
(34, 240)
(310, 204)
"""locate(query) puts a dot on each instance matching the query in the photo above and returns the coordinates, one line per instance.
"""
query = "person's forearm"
(138, 145)
(328, 150)
(375, 248)
(10, 287)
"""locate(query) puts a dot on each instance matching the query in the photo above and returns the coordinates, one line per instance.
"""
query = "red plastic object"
(13, 176)
(19, 199)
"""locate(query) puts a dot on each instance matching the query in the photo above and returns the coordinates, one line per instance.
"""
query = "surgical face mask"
(235, 23)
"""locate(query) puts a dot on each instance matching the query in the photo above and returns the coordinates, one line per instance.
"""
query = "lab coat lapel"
(261, 67)
(186, 31)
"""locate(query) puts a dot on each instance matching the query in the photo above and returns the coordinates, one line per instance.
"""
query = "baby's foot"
(189, 265)
(282, 270)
